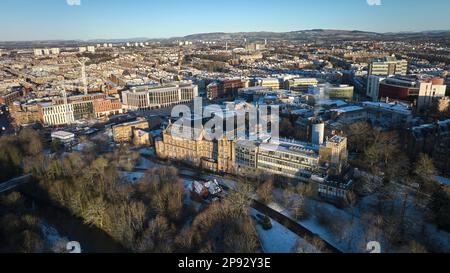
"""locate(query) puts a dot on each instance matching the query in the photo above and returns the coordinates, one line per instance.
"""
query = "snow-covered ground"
(51, 235)
(279, 239)
(443, 180)
(132, 177)
(147, 151)
(348, 231)
(144, 163)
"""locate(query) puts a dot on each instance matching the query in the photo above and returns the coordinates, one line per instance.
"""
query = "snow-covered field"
(279, 239)
(351, 231)
(51, 236)
(132, 177)
(144, 163)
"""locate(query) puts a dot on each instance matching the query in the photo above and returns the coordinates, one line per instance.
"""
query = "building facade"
(430, 90)
(107, 107)
(55, 115)
(126, 132)
(388, 66)
(147, 98)
(197, 150)
(373, 87)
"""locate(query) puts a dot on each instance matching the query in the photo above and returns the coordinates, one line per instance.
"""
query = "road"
(15, 182)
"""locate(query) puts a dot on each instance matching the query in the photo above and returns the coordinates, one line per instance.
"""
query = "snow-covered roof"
(348, 109)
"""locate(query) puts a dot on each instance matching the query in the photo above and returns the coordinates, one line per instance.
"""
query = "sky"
(23, 20)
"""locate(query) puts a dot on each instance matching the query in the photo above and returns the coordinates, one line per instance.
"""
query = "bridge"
(15, 182)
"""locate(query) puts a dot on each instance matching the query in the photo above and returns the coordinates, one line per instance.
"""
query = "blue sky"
(92, 19)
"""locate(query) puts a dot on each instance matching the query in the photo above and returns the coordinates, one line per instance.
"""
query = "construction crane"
(83, 74)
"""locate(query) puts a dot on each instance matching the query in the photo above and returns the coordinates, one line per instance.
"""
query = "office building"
(300, 84)
(145, 98)
(388, 66)
(401, 88)
(55, 51)
(273, 83)
(104, 108)
(373, 86)
(223, 88)
(54, 115)
(430, 91)
(131, 132)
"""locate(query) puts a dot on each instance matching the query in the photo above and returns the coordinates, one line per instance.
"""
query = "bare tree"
(265, 192)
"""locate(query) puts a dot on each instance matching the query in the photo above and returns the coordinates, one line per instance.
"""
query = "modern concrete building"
(54, 115)
(388, 66)
(401, 88)
(63, 137)
(300, 84)
(273, 83)
(339, 91)
(373, 86)
(289, 159)
(145, 98)
(430, 90)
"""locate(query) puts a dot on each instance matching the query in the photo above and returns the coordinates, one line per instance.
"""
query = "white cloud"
(73, 2)
(374, 2)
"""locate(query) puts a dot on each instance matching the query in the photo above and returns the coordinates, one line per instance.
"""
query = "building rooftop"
(63, 135)
(395, 107)
(348, 109)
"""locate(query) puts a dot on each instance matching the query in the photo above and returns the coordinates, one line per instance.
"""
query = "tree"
(32, 141)
(440, 207)
(398, 168)
(426, 172)
(371, 156)
(388, 143)
(242, 238)
(304, 189)
(424, 168)
(94, 213)
(31, 242)
(359, 135)
(240, 199)
(318, 244)
(265, 192)
(415, 247)
(158, 237)
(56, 146)
(298, 209)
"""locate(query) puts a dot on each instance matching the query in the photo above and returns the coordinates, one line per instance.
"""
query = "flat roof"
(63, 134)
(348, 109)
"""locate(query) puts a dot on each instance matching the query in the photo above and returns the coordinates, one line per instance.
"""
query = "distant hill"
(300, 35)
(316, 34)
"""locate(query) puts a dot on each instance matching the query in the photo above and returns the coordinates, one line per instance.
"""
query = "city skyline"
(74, 19)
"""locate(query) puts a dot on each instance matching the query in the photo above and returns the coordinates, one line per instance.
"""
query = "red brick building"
(107, 107)
(11, 97)
(223, 88)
